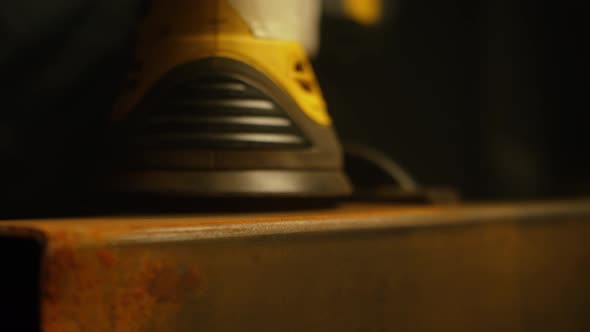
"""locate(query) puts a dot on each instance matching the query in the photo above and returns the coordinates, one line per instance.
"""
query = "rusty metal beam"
(358, 267)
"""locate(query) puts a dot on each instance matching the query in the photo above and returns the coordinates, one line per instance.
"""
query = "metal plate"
(351, 268)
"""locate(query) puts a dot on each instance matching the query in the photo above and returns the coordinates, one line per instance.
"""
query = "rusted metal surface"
(351, 268)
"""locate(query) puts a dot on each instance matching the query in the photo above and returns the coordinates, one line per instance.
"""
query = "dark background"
(486, 96)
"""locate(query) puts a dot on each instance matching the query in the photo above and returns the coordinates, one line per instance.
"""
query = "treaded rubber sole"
(249, 183)
(217, 127)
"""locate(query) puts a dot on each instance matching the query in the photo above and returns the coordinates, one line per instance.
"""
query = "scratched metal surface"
(352, 268)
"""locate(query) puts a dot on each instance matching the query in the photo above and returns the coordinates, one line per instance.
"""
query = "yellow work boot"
(217, 110)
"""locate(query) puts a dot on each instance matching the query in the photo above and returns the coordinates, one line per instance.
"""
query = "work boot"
(216, 108)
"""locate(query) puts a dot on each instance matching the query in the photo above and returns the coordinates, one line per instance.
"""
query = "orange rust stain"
(90, 289)
(173, 284)
(133, 308)
(71, 292)
(106, 257)
(61, 326)
(62, 261)
(164, 285)
(159, 290)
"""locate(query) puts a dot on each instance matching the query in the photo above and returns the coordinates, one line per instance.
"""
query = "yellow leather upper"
(181, 31)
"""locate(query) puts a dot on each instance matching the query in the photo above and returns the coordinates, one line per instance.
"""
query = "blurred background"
(485, 96)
